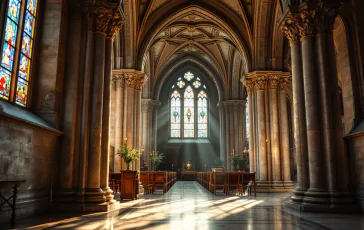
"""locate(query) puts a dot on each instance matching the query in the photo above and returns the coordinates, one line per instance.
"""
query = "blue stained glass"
(26, 45)
(189, 118)
(202, 118)
(10, 32)
(29, 24)
(32, 6)
(175, 114)
(7, 56)
(14, 10)
(5, 81)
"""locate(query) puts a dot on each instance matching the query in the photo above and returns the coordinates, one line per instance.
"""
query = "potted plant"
(235, 160)
(129, 155)
(219, 162)
(156, 160)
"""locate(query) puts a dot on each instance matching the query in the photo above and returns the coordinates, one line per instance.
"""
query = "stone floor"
(189, 206)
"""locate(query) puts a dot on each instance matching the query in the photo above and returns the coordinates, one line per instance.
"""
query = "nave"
(187, 205)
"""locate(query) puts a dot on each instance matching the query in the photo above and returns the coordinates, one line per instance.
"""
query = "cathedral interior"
(271, 89)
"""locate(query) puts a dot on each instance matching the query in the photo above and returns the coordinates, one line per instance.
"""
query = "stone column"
(248, 83)
(291, 31)
(119, 87)
(318, 186)
(94, 193)
(114, 26)
(276, 154)
(284, 133)
(260, 85)
(221, 108)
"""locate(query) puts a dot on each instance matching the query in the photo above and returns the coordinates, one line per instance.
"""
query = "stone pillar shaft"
(276, 161)
(263, 164)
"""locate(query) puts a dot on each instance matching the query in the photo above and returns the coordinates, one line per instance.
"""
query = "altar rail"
(240, 182)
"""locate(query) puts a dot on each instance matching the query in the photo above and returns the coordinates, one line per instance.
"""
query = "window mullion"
(182, 125)
(14, 77)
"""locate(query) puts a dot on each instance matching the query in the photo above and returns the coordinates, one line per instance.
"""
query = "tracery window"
(17, 50)
(193, 122)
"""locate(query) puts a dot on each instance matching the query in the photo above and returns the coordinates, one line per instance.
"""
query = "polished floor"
(188, 205)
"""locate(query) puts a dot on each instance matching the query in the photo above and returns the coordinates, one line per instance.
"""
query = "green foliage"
(129, 155)
(235, 160)
(157, 160)
(219, 161)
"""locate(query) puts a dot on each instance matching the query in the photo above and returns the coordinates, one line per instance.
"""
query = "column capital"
(284, 82)
(249, 84)
(290, 29)
(274, 80)
(115, 24)
(260, 79)
(231, 106)
(129, 78)
(150, 105)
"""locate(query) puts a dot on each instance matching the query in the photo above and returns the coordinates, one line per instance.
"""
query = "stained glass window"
(21, 55)
(202, 114)
(189, 110)
(175, 114)
(189, 76)
(196, 84)
(181, 84)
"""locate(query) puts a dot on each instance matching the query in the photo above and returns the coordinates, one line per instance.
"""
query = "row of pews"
(240, 182)
(152, 181)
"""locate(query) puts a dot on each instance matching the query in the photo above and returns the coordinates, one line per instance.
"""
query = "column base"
(87, 207)
(298, 195)
(273, 186)
(108, 193)
(66, 195)
(94, 195)
(330, 208)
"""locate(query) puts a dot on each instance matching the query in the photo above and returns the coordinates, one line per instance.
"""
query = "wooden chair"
(233, 181)
(145, 181)
(219, 181)
(247, 181)
(159, 181)
(114, 182)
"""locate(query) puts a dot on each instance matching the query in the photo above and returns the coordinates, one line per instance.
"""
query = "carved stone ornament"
(274, 81)
(103, 17)
(130, 80)
(284, 82)
(307, 23)
(249, 84)
(139, 81)
(118, 81)
(260, 82)
(115, 25)
(290, 29)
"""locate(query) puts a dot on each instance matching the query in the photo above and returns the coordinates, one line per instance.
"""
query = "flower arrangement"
(156, 159)
(129, 155)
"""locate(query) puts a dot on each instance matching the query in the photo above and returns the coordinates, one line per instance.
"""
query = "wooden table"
(188, 174)
(14, 184)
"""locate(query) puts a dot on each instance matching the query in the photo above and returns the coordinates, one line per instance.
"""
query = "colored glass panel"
(181, 84)
(10, 32)
(29, 24)
(26, 45)
(204, 86)
(14, 10)
(5, 82)
(21, 92)
(172, 86)
(196, 84)
(202, 114)
(7, 56)
(32, 6)
(189, 117)
(24, 67)
(175, 114)
(189, 76)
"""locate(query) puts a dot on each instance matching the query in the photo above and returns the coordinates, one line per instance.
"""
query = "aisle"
(187, 205)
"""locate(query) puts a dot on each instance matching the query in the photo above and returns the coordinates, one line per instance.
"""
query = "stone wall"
(31, 154)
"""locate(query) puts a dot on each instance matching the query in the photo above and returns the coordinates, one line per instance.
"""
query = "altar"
(188, 175)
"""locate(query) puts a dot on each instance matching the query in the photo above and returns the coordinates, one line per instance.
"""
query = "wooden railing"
(228, 181)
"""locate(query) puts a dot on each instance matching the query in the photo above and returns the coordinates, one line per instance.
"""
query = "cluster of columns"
(85, 150)
(269, 150)
(149, 129)
(322, 165)
(127, 84)
(232, 130)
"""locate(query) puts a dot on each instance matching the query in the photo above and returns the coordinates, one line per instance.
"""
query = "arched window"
(17, 50)
(189, 116)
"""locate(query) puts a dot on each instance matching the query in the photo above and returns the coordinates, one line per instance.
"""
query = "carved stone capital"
(274, 81)
(290, 29)
(284, 82)
(115, 25)
(221, 107)
(103, 17)
(129, 78)
(117, 81)
(249, 84)
(306, 23)
(149, 105)
(260, 82)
